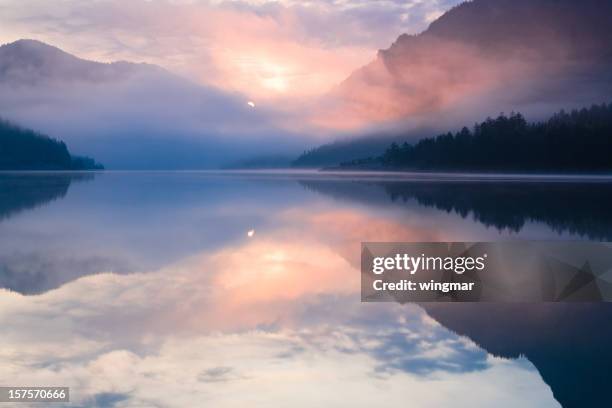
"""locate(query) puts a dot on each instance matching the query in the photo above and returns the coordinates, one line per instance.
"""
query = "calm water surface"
(145, 289)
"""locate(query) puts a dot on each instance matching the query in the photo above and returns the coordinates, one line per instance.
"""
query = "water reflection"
(122, 223)
(20, 192)
(200, 339)
(568, 343)
(28, 273)
(148, 292)
(567, 207)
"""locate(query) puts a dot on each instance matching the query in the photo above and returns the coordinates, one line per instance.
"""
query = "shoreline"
(371, 175)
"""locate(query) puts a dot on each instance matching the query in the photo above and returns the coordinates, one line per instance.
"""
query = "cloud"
(260, 49)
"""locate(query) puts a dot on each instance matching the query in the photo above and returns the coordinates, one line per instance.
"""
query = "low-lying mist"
(132, 116)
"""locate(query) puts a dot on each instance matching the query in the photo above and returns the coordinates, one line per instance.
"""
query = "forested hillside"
(25, 149)
(576, 141)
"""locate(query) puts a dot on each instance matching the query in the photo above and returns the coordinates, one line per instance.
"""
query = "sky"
(265, 50)
(279, 78)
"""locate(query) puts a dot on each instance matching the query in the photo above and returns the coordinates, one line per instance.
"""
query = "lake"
(234, 289)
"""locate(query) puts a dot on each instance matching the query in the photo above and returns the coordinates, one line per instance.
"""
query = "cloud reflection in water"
(271, 321)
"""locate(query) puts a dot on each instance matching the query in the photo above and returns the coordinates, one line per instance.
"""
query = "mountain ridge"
(29, 61)
(477, 49)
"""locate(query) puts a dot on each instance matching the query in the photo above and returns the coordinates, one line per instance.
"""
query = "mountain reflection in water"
(567, 207)
(568, 343)
(148, 281)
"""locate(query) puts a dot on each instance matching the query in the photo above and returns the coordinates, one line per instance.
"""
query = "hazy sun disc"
(250, 233)
(251, 104)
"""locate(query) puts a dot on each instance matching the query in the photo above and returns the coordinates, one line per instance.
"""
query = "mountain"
(131, 115)
(31, 62)
(488, 56)
(478, 59)
(24, 149)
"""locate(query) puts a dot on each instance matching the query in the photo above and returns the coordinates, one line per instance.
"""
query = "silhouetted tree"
(577, 141)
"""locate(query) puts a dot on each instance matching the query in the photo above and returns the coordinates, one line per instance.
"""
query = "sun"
(276, 83)
(273, 76)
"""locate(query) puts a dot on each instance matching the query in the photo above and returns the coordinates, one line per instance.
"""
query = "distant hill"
(339, 151)
(345, 150)
(578, 141)
(31, 62)
(25, 149)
